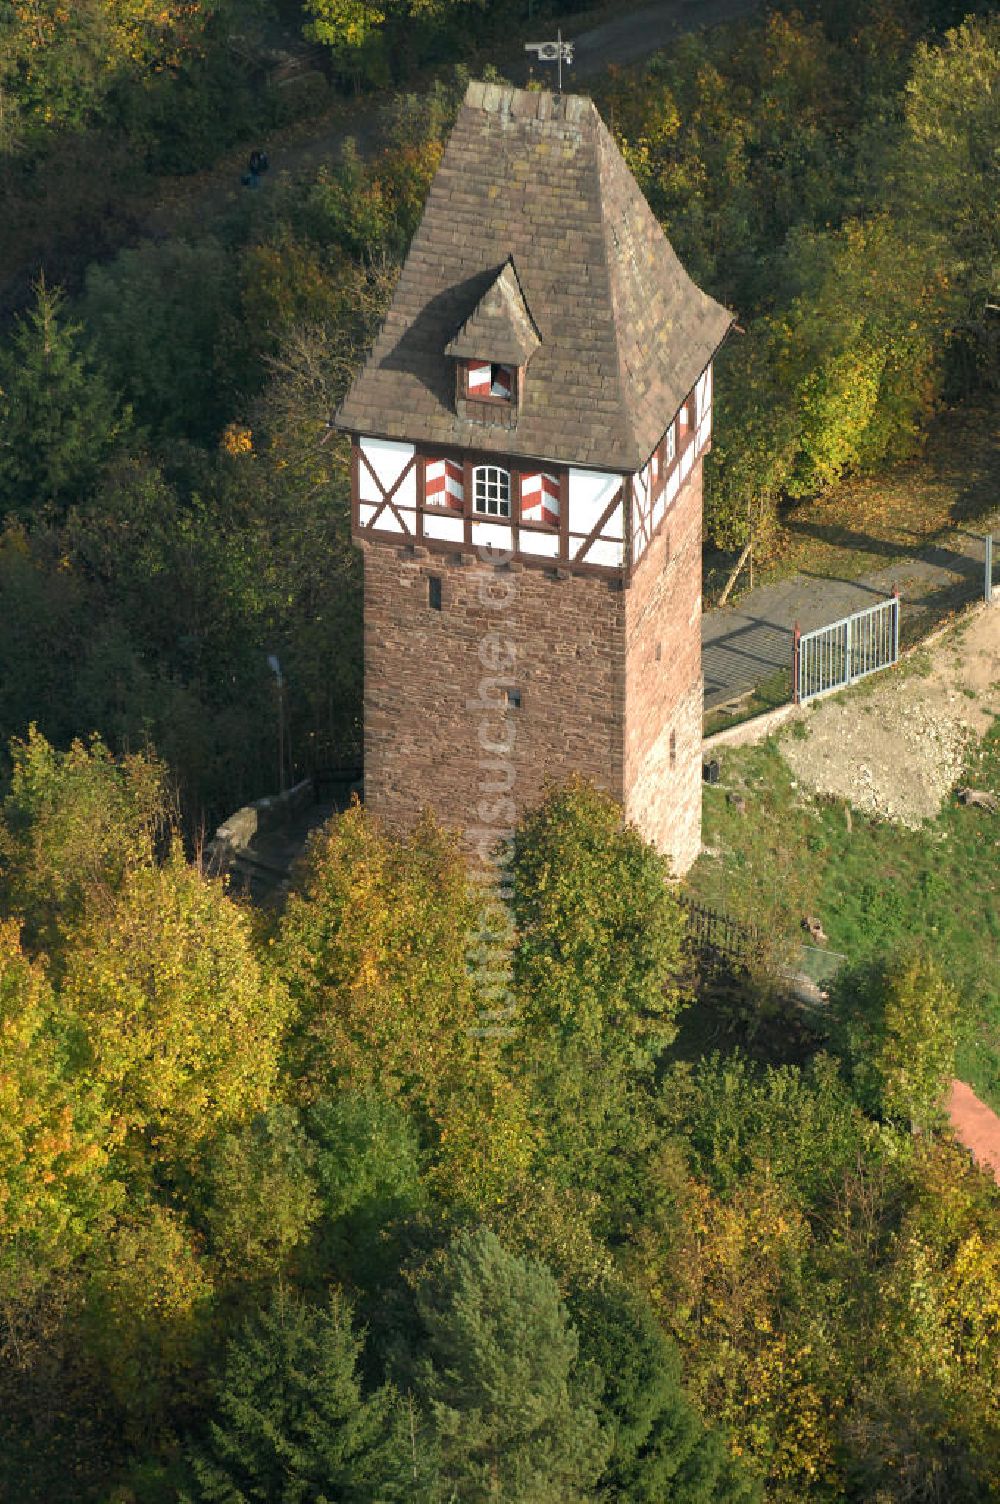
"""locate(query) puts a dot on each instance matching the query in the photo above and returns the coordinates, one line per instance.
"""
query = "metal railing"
(845, 651)
(710, 930)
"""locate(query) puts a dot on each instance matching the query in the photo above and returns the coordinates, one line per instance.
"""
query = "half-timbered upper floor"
(543, 513)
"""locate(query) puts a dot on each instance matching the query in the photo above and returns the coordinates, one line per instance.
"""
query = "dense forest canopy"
(280, 1223)
(276, 1223)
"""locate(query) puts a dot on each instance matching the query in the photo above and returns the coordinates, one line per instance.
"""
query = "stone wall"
(663, 689)
(433, 733)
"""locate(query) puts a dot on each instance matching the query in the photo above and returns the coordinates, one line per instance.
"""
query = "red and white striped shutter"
(480, 379)
(503, 382)
(540, 498)
(444, 484)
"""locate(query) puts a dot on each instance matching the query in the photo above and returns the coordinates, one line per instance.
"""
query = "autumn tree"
(181, 1025)
(377, 950)
(145, 1319)
(72, 825)
(56, 1189)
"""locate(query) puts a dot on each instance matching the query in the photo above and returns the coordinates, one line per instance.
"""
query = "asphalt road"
(635, 35)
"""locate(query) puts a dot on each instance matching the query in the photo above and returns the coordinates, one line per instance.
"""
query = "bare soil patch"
(975, 1125)
(896, 747)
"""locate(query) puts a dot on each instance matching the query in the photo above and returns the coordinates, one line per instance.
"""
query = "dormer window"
(488, 379)
(492, 350)
(491, 491)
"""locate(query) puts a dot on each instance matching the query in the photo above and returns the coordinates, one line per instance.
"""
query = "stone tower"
(528, 435)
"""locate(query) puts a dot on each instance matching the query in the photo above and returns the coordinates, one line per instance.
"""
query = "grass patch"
(875, 886)
(769, 694)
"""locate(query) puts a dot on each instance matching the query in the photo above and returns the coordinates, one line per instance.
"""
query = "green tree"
(259, 1194)
(513, 1407)
(662, 1448)
(289, 1424)
(599, 930)
(943, 172)
(368, 1174)
(157, 316)
(598, 972)
(59, 418)
(897, 1024)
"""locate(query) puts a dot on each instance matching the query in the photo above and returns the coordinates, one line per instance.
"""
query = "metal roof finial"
(553, 52)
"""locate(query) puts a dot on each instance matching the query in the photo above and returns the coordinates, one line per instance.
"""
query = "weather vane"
(553, 52)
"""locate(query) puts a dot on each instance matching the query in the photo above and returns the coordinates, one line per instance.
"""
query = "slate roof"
(500, 326)
(535, 178)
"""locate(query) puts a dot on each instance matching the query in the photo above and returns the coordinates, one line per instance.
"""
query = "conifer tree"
(58, 417)
(290, 1424)
(662, 1448)
(514, 1409)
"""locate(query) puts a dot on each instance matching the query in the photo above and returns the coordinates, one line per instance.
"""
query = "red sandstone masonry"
(663, 696)
(424, 667)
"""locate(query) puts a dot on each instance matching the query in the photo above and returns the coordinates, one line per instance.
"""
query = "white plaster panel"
(367, 486)
(451, 529)
(673, 485)
(613, 527)
(492, 535)
(386, 457)
(703, 394)
(542, 545)
(365, 514)
(590, 491)
(605, 551)
(687, 460)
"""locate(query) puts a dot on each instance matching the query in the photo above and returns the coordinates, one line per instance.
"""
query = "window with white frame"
(670, 446)
(491, 491)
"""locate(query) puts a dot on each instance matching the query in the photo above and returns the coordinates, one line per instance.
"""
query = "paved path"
(743, 645)
(630, 38)
(975, 1125)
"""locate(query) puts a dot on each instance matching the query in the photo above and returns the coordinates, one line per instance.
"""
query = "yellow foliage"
(236, 439)
(182, 1026)
(54, 1185)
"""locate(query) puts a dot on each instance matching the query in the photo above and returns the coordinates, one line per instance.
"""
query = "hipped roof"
(534, 179)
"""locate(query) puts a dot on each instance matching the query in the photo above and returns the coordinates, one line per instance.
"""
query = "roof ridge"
(526, 104)
(614, 292)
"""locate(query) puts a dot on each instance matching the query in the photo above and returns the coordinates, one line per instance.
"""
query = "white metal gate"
(847, 650)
